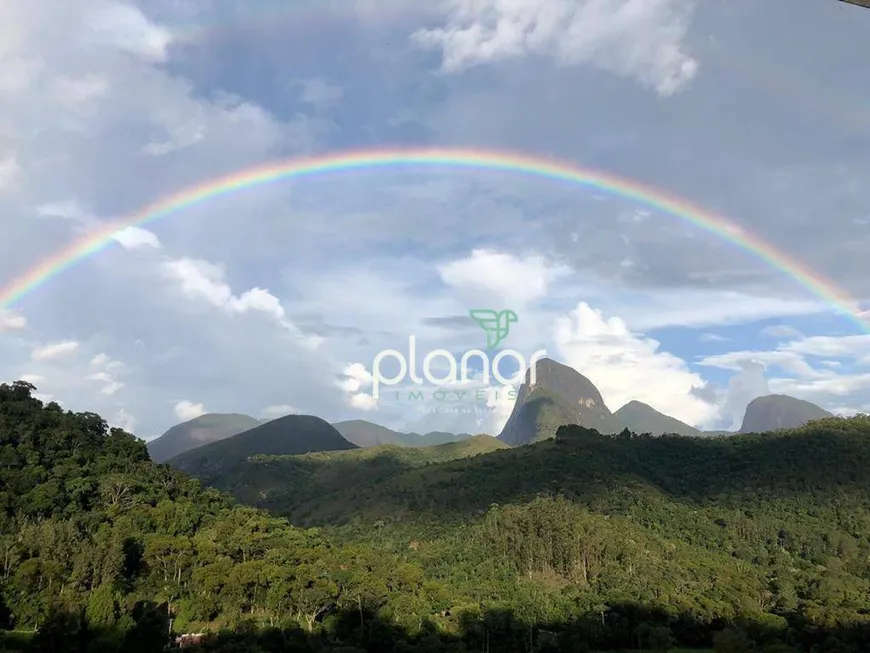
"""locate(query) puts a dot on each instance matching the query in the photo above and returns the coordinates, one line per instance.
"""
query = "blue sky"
(277, 299)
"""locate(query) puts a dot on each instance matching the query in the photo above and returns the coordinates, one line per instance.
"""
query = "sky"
(277, 299)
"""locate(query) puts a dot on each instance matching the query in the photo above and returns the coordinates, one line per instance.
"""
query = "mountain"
(560, 395)
(638, 417)
(774, 412)
(292, 434)
(197, 432)
(368, 434)
(434, 438)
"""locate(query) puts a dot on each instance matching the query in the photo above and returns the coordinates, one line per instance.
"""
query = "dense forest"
(583, 543)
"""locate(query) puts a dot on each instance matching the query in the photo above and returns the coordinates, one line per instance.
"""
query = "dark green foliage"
(751, 543)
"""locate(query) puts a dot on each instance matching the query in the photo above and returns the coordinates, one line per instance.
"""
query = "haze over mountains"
(560, 396)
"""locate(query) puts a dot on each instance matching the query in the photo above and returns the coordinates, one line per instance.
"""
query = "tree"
(731, 640)
(661, 639)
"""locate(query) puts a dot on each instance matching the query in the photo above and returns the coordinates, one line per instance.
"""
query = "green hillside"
(750, 543)
(273, 482)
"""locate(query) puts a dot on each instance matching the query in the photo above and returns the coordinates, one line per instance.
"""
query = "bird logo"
(496, 324)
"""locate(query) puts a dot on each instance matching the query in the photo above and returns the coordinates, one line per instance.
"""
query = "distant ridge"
(291, 434)
(368, 434)
(774, 412)
(197, 432)
(639, 417)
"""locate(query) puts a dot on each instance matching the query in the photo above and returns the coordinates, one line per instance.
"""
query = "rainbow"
(452, 158)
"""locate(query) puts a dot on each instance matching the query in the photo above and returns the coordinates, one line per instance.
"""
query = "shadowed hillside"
(292, 434)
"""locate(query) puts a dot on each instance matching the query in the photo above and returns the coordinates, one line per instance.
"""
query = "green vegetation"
(581, 543)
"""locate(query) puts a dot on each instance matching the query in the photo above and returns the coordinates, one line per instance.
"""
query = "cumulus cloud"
(639, 39)
(203, 280)
(124, 420)
(356, 378)
(743, 387)
(136, 238)
(186, 410)
(54, 351)
(625, 366)
(510, 280)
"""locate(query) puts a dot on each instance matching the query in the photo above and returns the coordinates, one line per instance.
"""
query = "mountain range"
(560, 396)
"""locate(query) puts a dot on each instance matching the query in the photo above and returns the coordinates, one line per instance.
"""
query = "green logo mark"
(496, 324)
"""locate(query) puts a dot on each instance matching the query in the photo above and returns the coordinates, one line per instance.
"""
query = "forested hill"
(101, 550)
(824, 460)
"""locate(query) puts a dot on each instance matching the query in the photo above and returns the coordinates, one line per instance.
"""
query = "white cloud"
(74, 91)
(10, 321)
(53, 351)
(712, 337)
(204, 280)
(110, 385)
(832, 346)
(356, 378)
(787, 360)
(781, 331)
(839, 385)
(126, 28)
(124, 420)
(363, 401)
(749, 384)
(512, 280)
(278, 411)
(30, 378)
(186, 410)
(639, 39)
(135, 238)
(625, 366)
